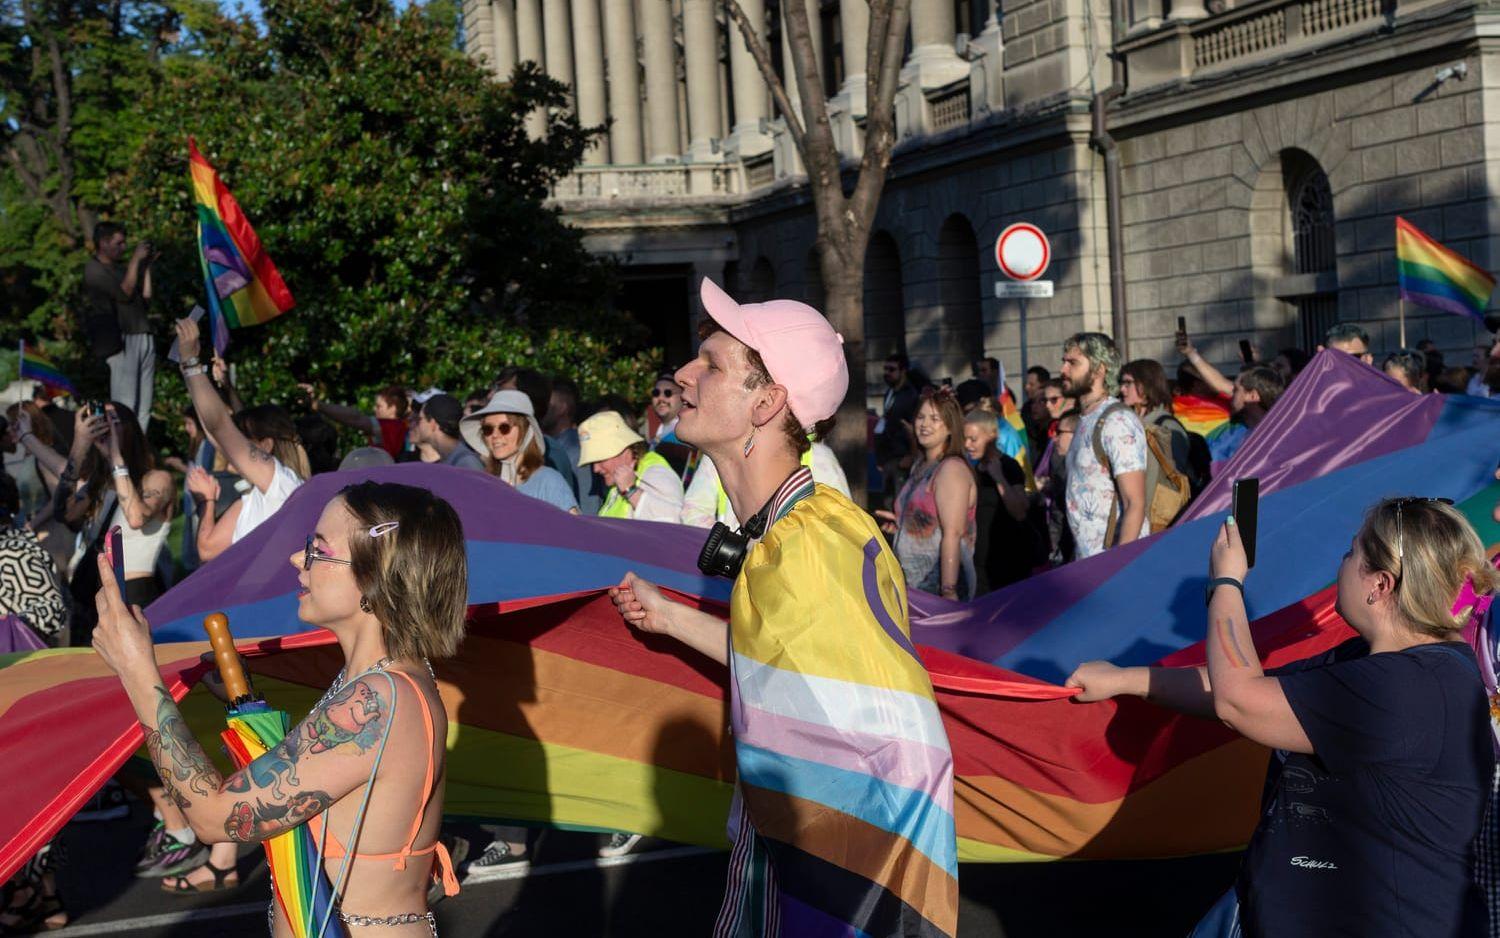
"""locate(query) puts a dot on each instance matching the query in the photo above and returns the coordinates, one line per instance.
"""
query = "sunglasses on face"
(668, 393)
(487, 430)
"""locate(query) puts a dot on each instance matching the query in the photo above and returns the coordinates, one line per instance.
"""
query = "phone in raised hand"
(114, 552)
(1246, 506)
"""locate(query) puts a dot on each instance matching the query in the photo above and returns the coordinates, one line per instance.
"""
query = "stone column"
(700, 38)
(933, 62)
(588, 52)
(746, 138)
(624, 82)
(661, 81)
(503, 34)
(529, 49)
(558, 41)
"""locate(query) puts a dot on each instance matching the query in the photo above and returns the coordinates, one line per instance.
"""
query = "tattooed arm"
(327, 756)
(1248, 701)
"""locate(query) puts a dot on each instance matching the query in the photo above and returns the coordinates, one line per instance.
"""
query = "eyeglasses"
(662, 392)
(1125, 381)
(488, 430)
(1052, 399)
(1401, 503)
(311, 553)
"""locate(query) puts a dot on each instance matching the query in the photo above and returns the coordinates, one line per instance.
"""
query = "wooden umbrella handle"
(231, 671)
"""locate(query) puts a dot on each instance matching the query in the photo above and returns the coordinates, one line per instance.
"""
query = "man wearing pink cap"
(843, 809)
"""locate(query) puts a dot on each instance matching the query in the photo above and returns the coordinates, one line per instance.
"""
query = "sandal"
(31, 915)
(181, 884)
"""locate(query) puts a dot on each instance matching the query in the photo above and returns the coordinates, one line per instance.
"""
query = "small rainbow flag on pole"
(1432, 275)
(39, 367)
(242, 284)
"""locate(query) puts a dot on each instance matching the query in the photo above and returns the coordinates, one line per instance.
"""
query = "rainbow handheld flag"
(242, 284)
(1200, 415)
(1434, 276)
(39, 367)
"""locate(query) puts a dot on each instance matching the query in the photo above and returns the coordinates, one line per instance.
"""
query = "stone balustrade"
(686, 181)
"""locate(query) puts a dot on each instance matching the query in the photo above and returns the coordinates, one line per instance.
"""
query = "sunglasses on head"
(1401, 503)
(503, 428)
(662, 392)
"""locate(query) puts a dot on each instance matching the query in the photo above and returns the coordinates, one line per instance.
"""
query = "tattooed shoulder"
(357, 715)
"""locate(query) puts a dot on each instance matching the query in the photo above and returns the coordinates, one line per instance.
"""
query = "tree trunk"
(844, 291)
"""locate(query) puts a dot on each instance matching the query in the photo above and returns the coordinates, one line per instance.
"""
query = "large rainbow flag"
(1437, 277)
(599, 727)
(242, 285)
(39, 367)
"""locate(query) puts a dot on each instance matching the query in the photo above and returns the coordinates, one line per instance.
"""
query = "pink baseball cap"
(801, 350)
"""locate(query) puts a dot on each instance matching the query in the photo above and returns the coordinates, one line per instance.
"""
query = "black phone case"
(1246, 508)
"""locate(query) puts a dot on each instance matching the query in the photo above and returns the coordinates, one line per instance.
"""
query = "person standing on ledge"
(843, 810)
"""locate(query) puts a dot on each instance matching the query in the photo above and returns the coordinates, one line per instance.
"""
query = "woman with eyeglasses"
(1382, 756)
(934, 520)
(385, 571)
(506, 435)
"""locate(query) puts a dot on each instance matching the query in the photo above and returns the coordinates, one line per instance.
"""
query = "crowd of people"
(975, 488)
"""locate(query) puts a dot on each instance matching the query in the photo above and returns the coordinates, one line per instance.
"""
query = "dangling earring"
(750, 441)
(1370, 600)
(364, 604)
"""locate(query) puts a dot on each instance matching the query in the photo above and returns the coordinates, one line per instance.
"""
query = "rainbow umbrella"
(297, 878)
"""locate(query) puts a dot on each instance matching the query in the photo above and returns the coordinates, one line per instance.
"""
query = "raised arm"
(325, 757)
(642, 605)
(48, 459)
(248, 460)
(348, 416)
(1211, 376)
(138, 507)
(1248, 701)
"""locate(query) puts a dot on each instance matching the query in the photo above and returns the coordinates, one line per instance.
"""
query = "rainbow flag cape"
(39, 367)
(1012, 439)
(600, 727)
(242, 285)
(1434, 276)
(1200, 415)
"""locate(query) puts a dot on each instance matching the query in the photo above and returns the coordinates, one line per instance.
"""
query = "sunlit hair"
(415, 576)
(1264, 381)
(946, 407)
(1101, 352)
(1410, 363)
(395, 395)
(531, 458)
(1150, 382)
(800, 439)
(983, 419)
(269, 422)
(1438, 550)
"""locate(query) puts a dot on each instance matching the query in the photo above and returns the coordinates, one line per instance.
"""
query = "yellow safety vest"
(721, 498)
(616, 505)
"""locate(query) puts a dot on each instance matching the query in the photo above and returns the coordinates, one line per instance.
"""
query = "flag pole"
(1401, 307)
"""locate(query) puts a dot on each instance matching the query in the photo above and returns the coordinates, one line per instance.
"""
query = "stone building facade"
(1264, 149)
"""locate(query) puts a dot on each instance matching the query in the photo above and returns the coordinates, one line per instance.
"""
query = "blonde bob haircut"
(416, 575)
(1429, 550)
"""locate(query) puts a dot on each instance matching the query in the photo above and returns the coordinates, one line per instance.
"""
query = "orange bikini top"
(336, 850)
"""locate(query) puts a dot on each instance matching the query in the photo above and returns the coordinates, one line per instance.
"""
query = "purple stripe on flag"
(800, 919)
(1445, 303)
(877, 605)
(902, 762)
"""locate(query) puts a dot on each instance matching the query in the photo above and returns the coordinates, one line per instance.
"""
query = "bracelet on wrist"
(194, 370)
(1216, 582)
(121, 472)
(190, 362)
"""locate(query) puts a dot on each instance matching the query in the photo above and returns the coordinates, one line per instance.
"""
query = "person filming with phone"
(1382, 750)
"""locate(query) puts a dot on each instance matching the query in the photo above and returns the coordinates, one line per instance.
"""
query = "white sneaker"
(619, 845)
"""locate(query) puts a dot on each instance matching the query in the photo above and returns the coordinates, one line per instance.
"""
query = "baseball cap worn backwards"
(801, 349)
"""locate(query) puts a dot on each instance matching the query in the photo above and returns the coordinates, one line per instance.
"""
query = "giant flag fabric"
(601, 727)
(241, 284)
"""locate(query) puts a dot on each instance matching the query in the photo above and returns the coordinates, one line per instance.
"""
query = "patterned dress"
(919, 535)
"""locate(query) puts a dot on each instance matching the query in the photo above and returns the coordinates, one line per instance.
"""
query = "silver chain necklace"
(381, 665)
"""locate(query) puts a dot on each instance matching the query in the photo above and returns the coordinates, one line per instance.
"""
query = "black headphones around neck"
(724, 552)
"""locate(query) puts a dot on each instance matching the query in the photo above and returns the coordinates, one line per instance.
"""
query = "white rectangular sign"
(1023, 289)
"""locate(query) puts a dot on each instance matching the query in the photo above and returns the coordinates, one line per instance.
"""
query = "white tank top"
(142, 545)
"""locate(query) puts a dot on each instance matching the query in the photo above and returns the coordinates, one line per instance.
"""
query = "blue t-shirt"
(547, 484)
(1373, 834)
(463, 458)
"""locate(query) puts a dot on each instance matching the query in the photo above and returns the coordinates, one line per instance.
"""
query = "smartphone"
(1246, 504)
(96, 408)
(114, 552)
(1182, 325)
(1247, 355)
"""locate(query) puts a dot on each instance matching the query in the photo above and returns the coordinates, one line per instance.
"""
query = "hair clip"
(384, 528)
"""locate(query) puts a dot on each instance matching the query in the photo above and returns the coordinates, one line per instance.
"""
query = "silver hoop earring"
(364, 605)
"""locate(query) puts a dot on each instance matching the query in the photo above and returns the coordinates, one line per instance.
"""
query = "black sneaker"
(108, 804)
(619, 844)
(499, 854)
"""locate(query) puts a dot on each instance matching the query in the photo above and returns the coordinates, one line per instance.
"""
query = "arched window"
(1310, 244)
(959, 295)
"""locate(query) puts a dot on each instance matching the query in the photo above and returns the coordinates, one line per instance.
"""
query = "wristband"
(194, 370)
(1216, 582)
(192, 362)
(121, 472)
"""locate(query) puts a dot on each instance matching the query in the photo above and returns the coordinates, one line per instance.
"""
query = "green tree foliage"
(393, 183)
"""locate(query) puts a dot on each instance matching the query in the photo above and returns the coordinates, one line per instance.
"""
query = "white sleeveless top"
(143, 544)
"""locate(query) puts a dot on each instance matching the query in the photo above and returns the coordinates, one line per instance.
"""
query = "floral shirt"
(1091, 490)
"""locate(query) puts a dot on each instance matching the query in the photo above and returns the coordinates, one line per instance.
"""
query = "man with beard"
(842, 821)
(1106, 497)
(893, 441)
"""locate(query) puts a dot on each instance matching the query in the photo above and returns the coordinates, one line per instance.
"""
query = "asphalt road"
(661, 890)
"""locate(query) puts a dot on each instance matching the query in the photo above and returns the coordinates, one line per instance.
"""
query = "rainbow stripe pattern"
(301, 888)
(241, 283)
(39, 367)
(599, 727)
(845, 774)
(1434, 276)
(1200, 415)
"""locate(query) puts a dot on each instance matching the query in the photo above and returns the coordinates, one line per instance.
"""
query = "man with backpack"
(1106, 469)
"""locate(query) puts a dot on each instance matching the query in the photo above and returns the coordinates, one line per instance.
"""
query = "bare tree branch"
(880, 120)
(767, 70)
(817, 145)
